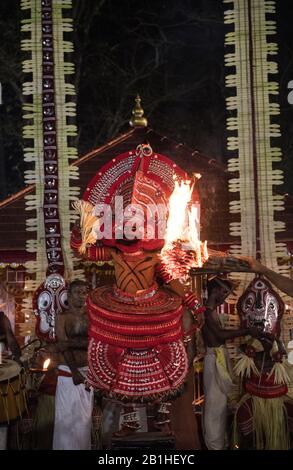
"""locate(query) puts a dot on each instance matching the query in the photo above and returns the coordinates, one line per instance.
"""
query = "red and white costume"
(136, 352)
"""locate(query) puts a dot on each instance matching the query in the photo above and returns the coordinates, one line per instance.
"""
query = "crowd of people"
(73, 403)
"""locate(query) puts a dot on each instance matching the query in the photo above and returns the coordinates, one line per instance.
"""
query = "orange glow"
(177, 223)
(46, 364)
(183, 229)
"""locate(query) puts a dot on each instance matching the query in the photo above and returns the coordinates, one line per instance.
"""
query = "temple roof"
(213, 190)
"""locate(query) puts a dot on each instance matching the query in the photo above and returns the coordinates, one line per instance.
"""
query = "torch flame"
(183, 231)
(46, 364)
(178, 202)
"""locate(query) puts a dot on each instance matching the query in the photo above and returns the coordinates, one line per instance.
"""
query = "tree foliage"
(11, 156)
(170, 52)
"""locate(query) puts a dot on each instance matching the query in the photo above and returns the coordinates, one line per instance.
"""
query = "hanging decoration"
(252, 109)
(48, 114)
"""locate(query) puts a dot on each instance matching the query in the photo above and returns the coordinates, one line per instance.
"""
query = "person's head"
(77, 291)
(219, 289)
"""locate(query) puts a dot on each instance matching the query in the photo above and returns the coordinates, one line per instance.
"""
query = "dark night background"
(171, 52)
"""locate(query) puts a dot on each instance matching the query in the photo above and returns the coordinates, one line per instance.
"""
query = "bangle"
(192, 302)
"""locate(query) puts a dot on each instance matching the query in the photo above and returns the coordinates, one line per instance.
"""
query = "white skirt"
(73, 414)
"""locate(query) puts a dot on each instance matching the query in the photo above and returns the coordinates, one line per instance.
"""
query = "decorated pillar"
(252, 109)
(49, 111)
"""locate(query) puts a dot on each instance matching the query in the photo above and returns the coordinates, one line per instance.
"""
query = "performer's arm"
(285, 284)
(95, 252)
(212, 323)
(71, 362)
(190, 300)
(189, 328)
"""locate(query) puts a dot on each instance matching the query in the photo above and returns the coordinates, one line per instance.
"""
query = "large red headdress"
(139, 184)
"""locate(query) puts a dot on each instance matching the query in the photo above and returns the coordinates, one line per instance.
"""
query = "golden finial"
(137, 119)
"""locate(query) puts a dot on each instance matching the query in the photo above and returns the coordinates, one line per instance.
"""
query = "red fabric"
(64, 373)
(137, 375)
(245, 418)
(191, 301)
(264, 387)
(134, 322)
(162, 272)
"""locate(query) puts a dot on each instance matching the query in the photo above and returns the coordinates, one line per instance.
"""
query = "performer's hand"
(254, 265)
(230, 263)
(214, 263)
(199, 320)
(77, 377)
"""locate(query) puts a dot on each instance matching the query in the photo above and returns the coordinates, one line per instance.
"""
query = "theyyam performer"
(136, 350)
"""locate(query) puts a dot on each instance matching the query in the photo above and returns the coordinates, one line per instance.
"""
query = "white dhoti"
(217, 385)
(73, 414)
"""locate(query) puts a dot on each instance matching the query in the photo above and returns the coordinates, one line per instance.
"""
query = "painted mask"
(48, 301)
(260, 306)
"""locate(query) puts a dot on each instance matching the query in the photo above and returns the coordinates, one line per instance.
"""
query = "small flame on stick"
(46, 364)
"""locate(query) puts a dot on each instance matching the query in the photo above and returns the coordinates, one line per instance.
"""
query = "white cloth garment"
(217, 385)
(73, 414)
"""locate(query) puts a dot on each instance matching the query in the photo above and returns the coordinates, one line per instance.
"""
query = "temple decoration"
(49, 298)
(47, 112)
(263, 410)
(251, 123)
(138, 119)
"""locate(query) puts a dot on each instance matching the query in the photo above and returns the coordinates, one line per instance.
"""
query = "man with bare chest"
(217, 378)
(74, 402)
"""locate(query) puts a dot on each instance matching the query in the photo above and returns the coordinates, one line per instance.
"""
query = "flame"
(178, 203)
(183, 231)
(46, 364)
(205, 250)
